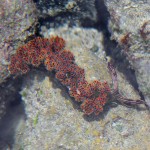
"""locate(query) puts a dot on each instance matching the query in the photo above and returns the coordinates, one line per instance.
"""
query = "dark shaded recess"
(46, 4)
(73, 17)
(9, 92)
(66, 18)
(112, 48)
(36, 33)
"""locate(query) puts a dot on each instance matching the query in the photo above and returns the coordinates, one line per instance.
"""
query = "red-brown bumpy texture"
(50, 52)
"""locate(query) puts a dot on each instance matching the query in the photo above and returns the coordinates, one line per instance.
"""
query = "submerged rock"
(17, 23)
(129, 25)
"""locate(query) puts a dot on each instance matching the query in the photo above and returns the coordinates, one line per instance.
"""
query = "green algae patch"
(24, 94)
(35, 120)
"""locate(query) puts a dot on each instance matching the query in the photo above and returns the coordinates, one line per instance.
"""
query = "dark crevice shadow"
(112, 48)
(9, 123)
(81, 14)
(14, 112)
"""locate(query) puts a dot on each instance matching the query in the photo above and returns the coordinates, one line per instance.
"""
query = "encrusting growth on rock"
(51, 52)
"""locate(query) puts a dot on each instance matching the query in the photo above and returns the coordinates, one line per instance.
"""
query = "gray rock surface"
(130, 26)
(17, 23)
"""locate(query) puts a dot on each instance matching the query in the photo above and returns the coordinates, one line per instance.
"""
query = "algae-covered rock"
(130, 26)
(17, 23)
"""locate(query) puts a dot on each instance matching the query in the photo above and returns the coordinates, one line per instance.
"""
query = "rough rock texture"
(72, 12)
(130, 27)
(17, 23)
(54, 121)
